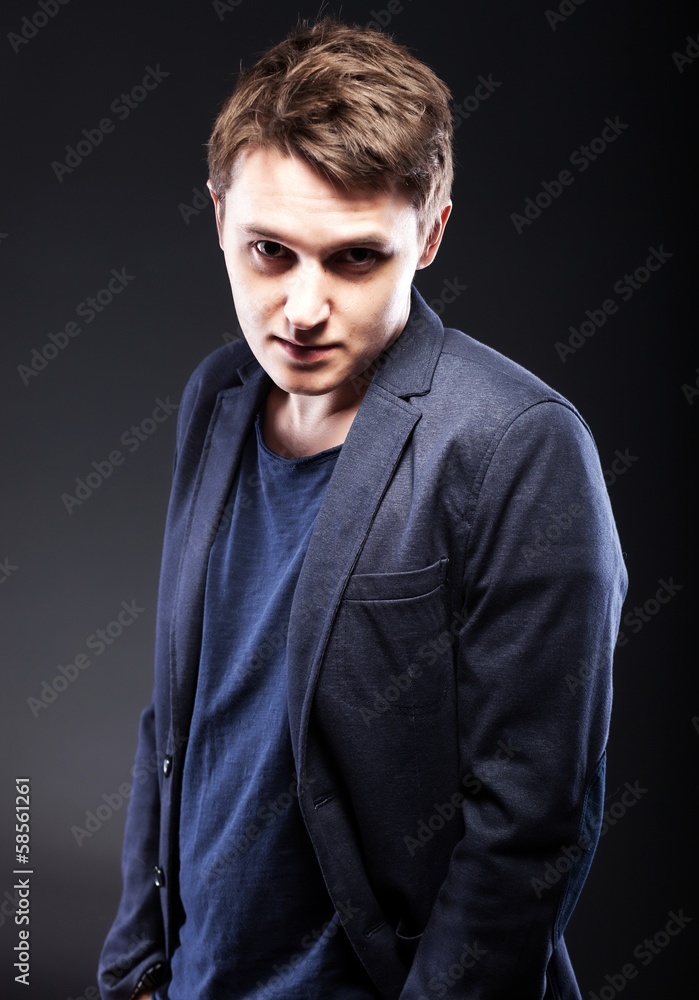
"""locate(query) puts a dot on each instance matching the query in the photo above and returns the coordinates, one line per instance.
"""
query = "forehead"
(273, 192)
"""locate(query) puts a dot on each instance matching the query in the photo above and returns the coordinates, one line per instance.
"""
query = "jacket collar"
(407, 366)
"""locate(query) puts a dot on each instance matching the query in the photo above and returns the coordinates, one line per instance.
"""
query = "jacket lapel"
(369, 455)
(364, 468)
(230, 422)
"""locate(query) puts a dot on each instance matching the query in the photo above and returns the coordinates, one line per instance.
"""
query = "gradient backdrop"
(128, 207)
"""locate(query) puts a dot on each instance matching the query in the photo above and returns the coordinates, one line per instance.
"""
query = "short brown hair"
(352, 103)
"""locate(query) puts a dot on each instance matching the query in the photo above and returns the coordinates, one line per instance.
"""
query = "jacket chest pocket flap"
(395, 650)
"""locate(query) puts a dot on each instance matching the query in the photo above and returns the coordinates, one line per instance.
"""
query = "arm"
(133, 955)
(544, 585)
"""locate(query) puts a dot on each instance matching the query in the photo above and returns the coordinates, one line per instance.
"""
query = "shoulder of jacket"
(487, 380)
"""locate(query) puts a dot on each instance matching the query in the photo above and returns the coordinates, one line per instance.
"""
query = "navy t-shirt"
(259, 922)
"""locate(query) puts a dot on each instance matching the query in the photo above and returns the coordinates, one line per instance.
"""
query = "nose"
(307, 301)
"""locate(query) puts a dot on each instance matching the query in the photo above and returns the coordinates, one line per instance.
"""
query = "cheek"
(382, 309)
(251, 297)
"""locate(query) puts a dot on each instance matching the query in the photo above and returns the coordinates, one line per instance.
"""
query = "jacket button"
(158, 876)
(167, 766)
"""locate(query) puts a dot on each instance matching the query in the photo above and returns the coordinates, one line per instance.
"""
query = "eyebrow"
(373, 240)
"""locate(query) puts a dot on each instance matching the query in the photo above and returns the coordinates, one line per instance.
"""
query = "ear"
(435, 237)
(218, 209)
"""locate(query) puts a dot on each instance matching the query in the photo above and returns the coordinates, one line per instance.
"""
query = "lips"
(300, 352)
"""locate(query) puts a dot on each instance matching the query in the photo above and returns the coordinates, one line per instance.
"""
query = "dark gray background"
(121, 208)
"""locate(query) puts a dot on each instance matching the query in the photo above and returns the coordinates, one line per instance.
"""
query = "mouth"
(298, 352)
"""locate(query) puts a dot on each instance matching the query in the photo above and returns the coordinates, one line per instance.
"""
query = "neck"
(295, 425)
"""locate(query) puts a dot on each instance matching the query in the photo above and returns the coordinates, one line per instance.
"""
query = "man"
(388, 549)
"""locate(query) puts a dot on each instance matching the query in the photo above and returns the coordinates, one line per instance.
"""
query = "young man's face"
(320, 277)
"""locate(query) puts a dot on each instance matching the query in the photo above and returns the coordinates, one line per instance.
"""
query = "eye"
(357, 256)
(269, 249)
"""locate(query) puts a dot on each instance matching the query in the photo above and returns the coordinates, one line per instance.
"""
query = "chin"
(307, 390)
(296, 386)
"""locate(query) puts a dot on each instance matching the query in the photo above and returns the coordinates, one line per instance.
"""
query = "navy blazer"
(449, 662)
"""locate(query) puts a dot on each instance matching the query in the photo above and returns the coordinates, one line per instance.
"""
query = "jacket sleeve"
(544, 584)
(133, 955)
